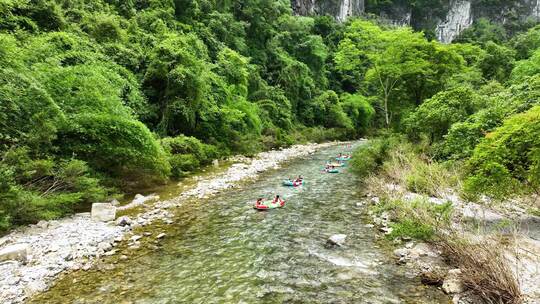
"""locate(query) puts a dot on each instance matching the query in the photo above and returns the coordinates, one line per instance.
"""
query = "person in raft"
(259, 201)
(276, 199)
(299, 179)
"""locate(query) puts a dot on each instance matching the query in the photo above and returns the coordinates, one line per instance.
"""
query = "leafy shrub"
(28, 115)
(183, 164)
(436, 115)
(370, 156)
(187, 154)
(121, 147)
(359, 110)
(526, 68)
(506, 163)
(35, 189)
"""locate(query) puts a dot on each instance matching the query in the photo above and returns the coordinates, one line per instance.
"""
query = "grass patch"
(413, 229)
(417, 219)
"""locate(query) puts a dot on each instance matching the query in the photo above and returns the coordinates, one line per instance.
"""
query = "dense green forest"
(105, 96)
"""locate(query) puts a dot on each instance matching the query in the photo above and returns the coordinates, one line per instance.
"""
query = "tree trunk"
(386, 116)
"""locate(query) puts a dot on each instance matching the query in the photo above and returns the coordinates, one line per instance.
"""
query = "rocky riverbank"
(507, 222)
(31, 258)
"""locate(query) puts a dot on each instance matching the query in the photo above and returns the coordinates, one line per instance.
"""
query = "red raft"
(272, 205)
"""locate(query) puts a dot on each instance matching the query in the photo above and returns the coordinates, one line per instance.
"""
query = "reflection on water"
(223, 251)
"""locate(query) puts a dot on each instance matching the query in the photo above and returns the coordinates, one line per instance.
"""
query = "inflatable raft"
(331, 170)
(343, 158)
(291, 183)
(271, 205)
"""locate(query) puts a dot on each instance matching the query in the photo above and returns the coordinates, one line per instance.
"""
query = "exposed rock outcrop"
(447, 19)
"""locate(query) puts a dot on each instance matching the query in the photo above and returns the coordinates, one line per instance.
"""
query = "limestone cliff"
(445, 18)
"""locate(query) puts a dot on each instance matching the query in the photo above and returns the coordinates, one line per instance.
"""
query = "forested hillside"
(100, 97)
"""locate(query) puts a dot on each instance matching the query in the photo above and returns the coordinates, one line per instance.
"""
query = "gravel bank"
(75, 242)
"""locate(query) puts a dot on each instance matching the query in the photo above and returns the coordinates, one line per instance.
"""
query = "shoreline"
(76, 242)
(425, 259)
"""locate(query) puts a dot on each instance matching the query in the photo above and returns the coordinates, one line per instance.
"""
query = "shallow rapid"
(223, 251)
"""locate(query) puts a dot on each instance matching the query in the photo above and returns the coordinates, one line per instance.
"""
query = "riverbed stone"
(337, 240)
(103, 212)
(42, 224)
(105, 246)
(17, 252)
(401, 252)
(452, 283)
(123, 221)
(135, 238)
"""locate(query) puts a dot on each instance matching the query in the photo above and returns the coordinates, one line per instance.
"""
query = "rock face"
(17, 252)
(103, 212)
(446, 19)
(340, 9)
(458, 19)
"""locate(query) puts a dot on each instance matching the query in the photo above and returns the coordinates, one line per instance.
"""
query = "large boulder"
(103, 212)
(17, 252)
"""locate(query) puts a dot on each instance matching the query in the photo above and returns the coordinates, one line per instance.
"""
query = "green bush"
(183, 164)
(120, 147)
(436, 115)
(28, 115)
(507, 161)
(187, 154)
(35, 189)
(369, 157)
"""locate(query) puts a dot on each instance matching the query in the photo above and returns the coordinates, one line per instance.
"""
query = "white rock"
(375, 200)
(42, 224)
(103, 212)
(135, 238)
(421, 250)
(452, 283)
(68, 256)
(123, 221)
(386, 230)
(115, 202)
(161, 235)
(337, 239)
(401, 252)
(105, 246)
(35, 286)
(17, 252)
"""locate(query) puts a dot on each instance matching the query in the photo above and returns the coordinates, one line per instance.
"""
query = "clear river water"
(223, 251)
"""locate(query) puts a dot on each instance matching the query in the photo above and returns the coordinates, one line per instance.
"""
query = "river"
(223, 251)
